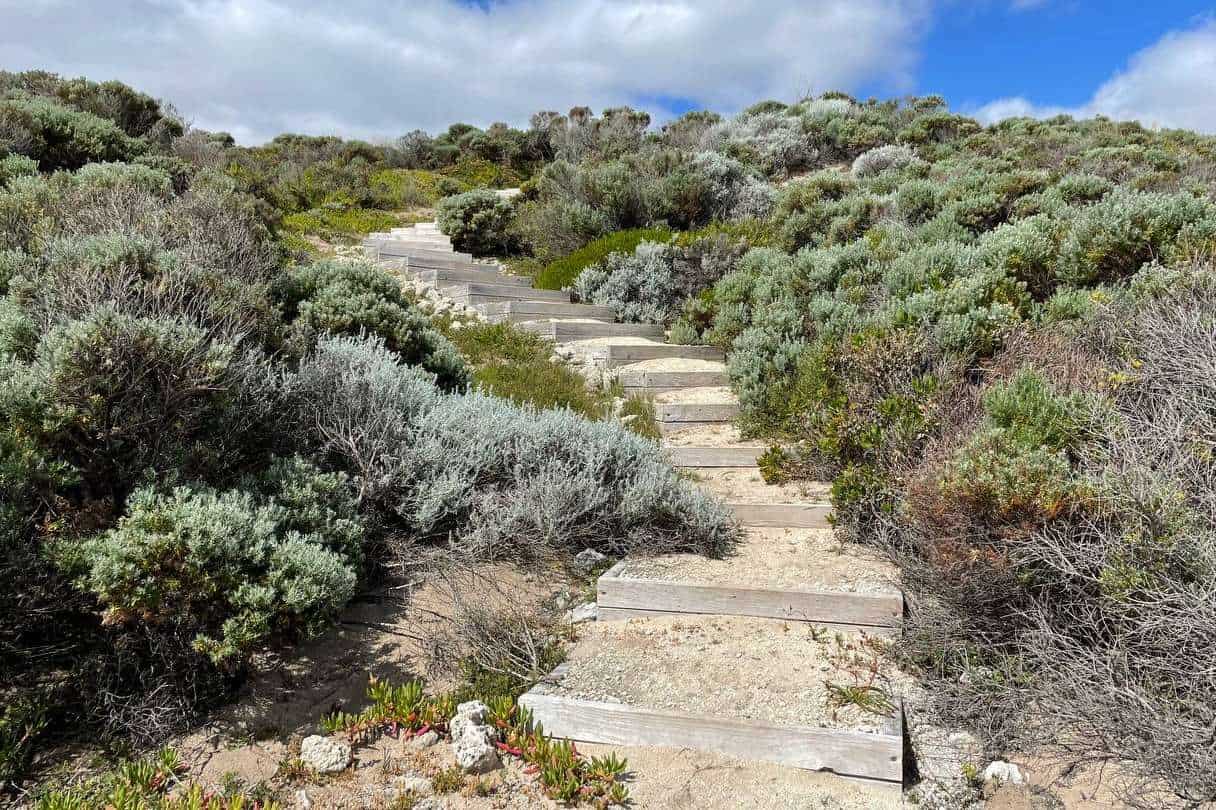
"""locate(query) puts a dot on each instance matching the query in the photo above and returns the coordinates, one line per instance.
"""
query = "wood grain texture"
(696, 411)
(619, 355)
(562, 332)
(610, 614)
(837, 607)
(714, 456)
(783, 515)
(857, 755)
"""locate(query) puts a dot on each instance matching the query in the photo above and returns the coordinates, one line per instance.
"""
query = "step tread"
(643, 682)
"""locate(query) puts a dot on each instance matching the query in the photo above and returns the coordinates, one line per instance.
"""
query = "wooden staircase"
(822, 586)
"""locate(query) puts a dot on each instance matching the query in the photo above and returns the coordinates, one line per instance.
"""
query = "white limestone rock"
(325, 755)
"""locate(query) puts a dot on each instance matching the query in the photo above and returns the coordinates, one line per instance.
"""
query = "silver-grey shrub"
(641, 287)
(881, 158)
(491, 478)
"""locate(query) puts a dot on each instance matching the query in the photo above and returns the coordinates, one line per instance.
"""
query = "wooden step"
(567, 331)
(625, 354)
(696, 412)
(872, 755)
(680, 456)
(783, 515)
(515, 311)
(620, 597)
(478, 293)
(447, 277)
(394, 249)
(658, 382)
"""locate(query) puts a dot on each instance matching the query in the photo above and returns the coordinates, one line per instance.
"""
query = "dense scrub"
(996, 343)
(964, 329)
(207, 449)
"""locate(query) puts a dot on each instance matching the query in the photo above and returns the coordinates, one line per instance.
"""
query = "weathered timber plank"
(671, 379)
(620, 355)
(714, 456)
(610, 614)
(840, 607)
(566, 331)
(696, 411)
(783, 515)
(857, 755)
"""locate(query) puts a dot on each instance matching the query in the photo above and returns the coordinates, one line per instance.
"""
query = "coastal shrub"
(59, 137)
(477, 222)
(349, 298)
(228, 569)
(640, 287)
(501, 481)
(882, 158)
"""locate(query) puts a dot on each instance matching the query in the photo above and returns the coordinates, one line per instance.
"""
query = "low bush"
(59, 137)
(339, 224)
(349, 298)
(559, 482)
(640, 287)
(478, 223)
(228, 569)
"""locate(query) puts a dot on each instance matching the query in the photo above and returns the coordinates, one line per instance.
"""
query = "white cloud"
(1168, 84)
(374, 69)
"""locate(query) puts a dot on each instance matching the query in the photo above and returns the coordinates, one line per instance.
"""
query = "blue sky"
(1054, 52)
(375, 69)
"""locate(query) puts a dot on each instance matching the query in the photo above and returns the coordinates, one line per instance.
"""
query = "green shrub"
(560, 274)
(59, 137)
(345, 298)
(230, 569)
(513, 364)
(339, 224)
(477, 222)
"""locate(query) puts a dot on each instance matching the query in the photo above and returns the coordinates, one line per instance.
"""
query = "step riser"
(496, 313)
(623, 355)
(567, 332)
(449, 278)
(675, 413)
(714, 456)
(392, 251)
(872, 759)
(672, 380)
(860, 611)
(782, 515)
(494, 293)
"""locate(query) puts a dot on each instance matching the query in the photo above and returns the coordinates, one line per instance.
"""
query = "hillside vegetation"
(995, 342)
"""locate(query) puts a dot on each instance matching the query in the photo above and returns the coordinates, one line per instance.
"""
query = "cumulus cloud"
(1168, 84)
(373, 69)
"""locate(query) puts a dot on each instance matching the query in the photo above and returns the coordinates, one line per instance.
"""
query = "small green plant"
(449, 780)
(638, 414)
(564, 773)
(394, 710)
(866, 697)
(152, 783)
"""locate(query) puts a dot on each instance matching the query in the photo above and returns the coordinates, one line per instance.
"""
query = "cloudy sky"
(378, 68)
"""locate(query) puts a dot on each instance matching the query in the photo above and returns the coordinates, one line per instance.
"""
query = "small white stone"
(1005, 772)
(415, 785)
(302, 800)
(324, 755)
(583, 613)
(587, 559)
(424, 740)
